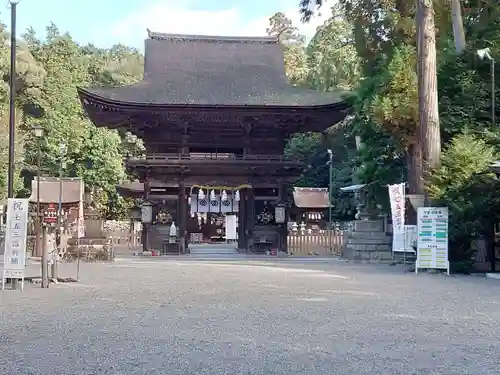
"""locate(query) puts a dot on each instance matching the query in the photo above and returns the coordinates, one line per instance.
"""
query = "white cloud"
(177, 17)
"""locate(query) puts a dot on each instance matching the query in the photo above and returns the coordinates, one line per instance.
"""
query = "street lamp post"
(62, 154)
(485, 53)
(38, 130)
(12, 98)
(330, 187)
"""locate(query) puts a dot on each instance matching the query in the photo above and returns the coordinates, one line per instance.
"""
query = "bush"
(464, 184)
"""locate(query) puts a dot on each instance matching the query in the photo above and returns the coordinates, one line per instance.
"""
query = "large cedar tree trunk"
(415, 179)
(430, 137)
(458, 26)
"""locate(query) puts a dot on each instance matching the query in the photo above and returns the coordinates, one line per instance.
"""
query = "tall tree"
(281, 26)
(458, 26)
(51, 101)
(331, 57)
(430, 132)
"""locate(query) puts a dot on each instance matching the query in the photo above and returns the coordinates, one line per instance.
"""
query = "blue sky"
(107, 22)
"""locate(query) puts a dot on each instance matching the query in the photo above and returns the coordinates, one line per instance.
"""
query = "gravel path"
(182, 316)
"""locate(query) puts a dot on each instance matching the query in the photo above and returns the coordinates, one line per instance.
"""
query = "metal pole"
(45, 263)
(493, 97)
(330, 188)
(12, 99)
(37, 229)
(55, 270)
(493, 123)
(40, 243)
(78, 252)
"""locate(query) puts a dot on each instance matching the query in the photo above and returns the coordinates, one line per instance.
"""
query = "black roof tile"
(210, 70)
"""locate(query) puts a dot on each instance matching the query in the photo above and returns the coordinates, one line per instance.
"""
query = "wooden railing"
(316, 242)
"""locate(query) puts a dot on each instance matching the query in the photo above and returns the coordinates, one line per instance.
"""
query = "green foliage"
(310, 149)
(386, 113)
(471, 193)
(292, 41)
(331, 57)
(395, 105)
(380, 163)
(464, 94)
(48, 72)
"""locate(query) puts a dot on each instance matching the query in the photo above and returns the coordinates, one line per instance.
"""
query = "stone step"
(366, 256)
(368, 241)
(368, 235)
(213, 251)
(88, 241)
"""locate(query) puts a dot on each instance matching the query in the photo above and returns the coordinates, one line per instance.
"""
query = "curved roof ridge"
(212, 38)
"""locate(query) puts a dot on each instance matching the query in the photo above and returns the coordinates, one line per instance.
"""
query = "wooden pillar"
(250, 215)
(184, 151)
(283, 228)
(182, 216)
(184, 147)
(145, 226)
(242, 220)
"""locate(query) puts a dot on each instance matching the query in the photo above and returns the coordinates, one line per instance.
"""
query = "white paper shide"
(15, 238)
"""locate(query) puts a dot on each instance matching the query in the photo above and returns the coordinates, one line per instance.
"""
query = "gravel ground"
(182, 316)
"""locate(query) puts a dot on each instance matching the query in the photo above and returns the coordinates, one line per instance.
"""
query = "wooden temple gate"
(225, 130)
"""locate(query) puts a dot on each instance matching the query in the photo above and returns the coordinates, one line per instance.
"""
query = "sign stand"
(432, 244)
(15, 241)
(13, 276)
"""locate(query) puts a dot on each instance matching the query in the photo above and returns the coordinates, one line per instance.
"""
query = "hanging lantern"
(212, 196)
(224, 196)
(237, 196)
(201, 194)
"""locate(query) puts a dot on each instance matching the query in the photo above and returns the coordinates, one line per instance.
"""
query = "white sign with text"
(16, 233)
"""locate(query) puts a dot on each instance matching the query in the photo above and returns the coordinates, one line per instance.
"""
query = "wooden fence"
(316, 242)
(124, 238)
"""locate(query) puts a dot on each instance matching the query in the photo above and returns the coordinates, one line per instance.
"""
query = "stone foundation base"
(368, 243)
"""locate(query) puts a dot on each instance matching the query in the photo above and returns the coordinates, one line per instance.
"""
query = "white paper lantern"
(237, 196)
(224, 196)
(212, 196)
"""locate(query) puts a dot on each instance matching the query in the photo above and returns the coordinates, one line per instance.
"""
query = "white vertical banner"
(229, 205)
(199, 205)
(397, 200)
(16, 233)
(230, 227)
(226, 205)
(215, 204)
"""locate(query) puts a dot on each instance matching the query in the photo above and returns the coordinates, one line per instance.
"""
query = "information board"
(15, 239)
(432, 241)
